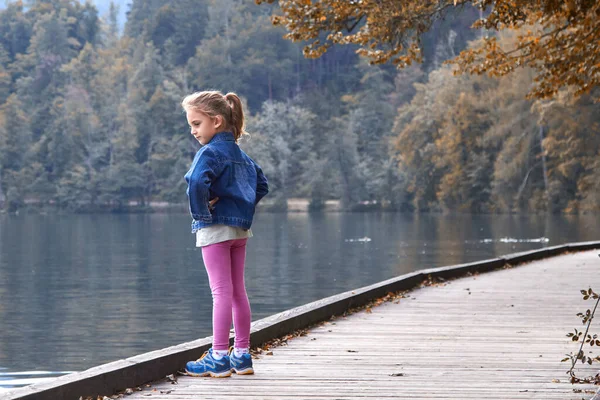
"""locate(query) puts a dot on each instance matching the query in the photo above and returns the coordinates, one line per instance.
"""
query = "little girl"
(224, 186)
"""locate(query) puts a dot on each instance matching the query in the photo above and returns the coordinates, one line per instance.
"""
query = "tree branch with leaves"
(584, 337)
(560, 40)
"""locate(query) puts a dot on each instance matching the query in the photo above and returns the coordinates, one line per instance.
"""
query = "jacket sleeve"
(205, 172)
(262, 186)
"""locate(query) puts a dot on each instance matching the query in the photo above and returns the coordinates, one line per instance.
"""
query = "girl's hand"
(211, 203)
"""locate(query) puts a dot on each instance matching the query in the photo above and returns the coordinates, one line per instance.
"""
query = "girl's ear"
(218, 121)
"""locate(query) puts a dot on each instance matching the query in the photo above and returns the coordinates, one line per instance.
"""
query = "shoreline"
(135, 207)
(294, 205)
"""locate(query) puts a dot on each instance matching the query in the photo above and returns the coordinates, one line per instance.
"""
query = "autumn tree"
(572, 144)
(558, 39)
(417, 126)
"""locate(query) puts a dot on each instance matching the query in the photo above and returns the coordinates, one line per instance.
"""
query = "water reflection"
(80, 290)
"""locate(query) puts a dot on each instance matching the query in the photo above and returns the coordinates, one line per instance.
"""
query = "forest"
(90, 115)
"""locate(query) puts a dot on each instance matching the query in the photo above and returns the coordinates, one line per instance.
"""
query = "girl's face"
(203, 127)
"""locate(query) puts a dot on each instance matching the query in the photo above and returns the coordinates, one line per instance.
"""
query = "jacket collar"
(222, 136)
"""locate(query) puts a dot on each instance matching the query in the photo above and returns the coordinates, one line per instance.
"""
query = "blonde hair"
(213, 103)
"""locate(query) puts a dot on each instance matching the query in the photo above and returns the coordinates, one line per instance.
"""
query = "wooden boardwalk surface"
(499, 335)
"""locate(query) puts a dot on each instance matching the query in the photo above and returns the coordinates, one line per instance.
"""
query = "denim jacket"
(221, 169)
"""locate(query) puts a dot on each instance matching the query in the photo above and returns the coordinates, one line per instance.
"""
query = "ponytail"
(238, 122)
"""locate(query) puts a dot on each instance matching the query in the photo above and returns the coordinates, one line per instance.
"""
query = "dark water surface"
(81, 290)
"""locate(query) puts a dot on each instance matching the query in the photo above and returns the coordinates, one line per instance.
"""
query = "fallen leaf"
(172, 378)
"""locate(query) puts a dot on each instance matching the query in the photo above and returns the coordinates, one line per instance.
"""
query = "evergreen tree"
(15, 29)
(371, 116)
(281, 146)
(15, 139)
(5, 78)
(174, 28)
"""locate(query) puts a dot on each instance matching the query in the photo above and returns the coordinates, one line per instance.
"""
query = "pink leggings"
(224, 263)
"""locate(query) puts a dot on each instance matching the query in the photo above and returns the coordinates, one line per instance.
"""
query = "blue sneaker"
(208, 366)
(241, 365)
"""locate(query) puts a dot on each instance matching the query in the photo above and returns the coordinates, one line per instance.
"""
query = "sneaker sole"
(247, 371)
(225, 374)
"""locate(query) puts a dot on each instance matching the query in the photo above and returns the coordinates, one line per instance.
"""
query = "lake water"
(81, 290)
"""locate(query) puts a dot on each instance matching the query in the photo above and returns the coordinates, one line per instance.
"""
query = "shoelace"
(203, 355)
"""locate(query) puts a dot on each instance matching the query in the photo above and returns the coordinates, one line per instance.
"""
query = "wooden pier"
(499, 335)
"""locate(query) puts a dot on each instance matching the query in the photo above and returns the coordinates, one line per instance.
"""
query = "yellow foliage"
(562, 42)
